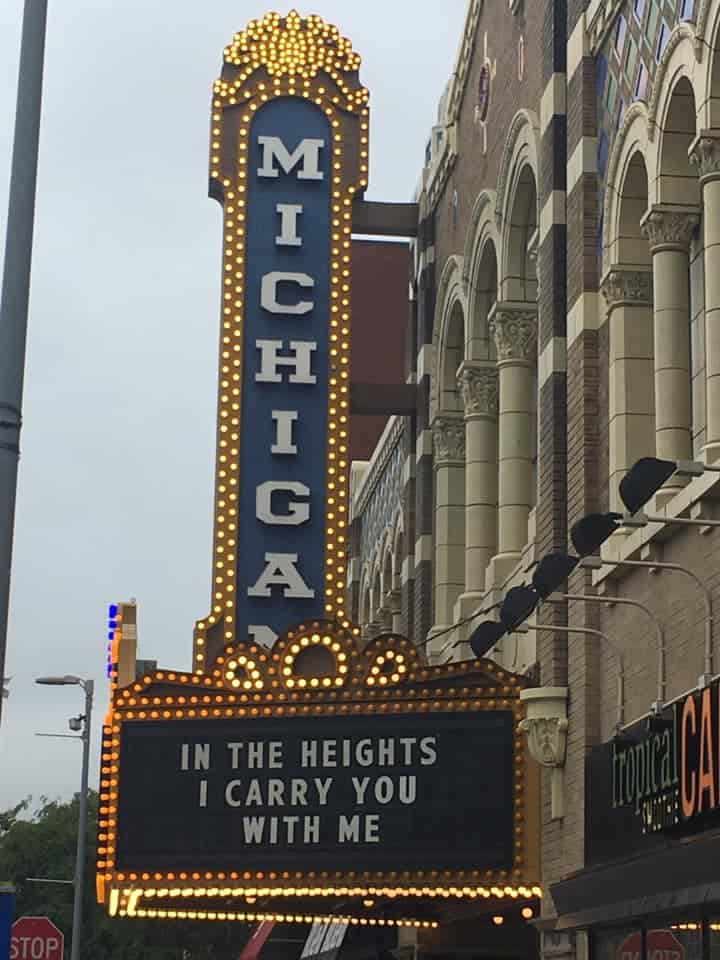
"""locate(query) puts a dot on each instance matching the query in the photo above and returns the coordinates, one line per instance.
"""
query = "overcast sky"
(115, 490)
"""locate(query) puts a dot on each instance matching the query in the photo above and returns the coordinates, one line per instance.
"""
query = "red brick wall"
(379, 324)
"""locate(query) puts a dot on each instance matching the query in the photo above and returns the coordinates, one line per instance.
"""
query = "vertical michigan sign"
(289, 154)
(299, 770)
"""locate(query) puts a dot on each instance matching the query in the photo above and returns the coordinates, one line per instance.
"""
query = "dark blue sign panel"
(284, 426)
(7, 915)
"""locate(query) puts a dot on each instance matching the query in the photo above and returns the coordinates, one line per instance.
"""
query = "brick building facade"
(562, 324)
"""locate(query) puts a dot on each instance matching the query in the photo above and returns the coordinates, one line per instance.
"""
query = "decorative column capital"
(478, 385)
(627, 286)
(449, 439)
(704, 154)
(514, 327)
(669, 227)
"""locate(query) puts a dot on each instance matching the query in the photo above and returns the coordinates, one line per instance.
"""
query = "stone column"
(705, 157)
(668, 230)
(514, 327)
(631, 393)
(449, 463)
(393, 602)
(478, 384)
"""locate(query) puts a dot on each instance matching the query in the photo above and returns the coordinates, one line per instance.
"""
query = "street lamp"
(16, 285)
(649, 474)
(87, 685)
(597, 563)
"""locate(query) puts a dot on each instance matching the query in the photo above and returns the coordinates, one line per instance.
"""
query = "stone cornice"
(515, 329)
(464, 59)
(668, 227)
(627, 286)
(704, 154)
(385, 448)
(449, 438)
(478, 385)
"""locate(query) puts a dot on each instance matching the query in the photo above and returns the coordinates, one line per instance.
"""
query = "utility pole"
(83, 723)
(82, 825)
(16, 286)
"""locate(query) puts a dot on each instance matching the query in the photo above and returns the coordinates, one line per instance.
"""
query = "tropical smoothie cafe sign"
(293, 765)
(660, 776)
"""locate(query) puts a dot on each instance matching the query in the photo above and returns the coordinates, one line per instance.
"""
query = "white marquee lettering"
(350, 829)
(269, 293)
(284, 443)
(300, 361)
(298, 513)
(230, 799)
(289, 213)
(281, 571)
(306, 155)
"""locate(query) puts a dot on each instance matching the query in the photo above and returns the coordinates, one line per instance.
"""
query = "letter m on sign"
(306, 157)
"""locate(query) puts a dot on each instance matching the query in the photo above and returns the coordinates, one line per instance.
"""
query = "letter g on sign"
(298, 513)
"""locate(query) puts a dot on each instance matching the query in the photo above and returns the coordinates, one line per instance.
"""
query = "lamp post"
(597, 563)
(16, 286)
(79, 882)
(589, 632)
(659, 632)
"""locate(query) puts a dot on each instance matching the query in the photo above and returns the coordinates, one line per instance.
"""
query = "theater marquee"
(294, 765)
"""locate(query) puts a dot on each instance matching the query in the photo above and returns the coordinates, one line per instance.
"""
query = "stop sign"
(36, 938)
(661, 945)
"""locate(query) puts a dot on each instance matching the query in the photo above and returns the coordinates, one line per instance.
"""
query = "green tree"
(40, 841)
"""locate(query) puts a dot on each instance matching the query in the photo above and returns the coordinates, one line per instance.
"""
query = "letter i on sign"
(286, 163)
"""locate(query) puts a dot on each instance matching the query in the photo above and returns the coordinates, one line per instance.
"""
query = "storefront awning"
(682, 876)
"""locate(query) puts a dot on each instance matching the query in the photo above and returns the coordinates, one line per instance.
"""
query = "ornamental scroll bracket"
(546, 726)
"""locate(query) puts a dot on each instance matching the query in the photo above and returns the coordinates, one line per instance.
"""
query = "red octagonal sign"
(36, 938)
(661, 945)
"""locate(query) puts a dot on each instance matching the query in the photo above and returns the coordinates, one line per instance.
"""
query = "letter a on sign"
(288, 159)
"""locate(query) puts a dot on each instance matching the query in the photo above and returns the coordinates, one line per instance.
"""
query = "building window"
(688, 933)
(682, 938)
(662, 40)
(601, 71)
(641, 83)
(687, 10)
(620, 34)
(610, 95)
(639, 10)
(652, 24)
(602, 158)
(620, 113)
(483, 93)
(619, 944)
(631, 60)
(714, 926)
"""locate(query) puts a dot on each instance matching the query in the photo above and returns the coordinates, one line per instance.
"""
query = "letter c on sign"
(689, 717)
(269, 293)
(297, 514)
